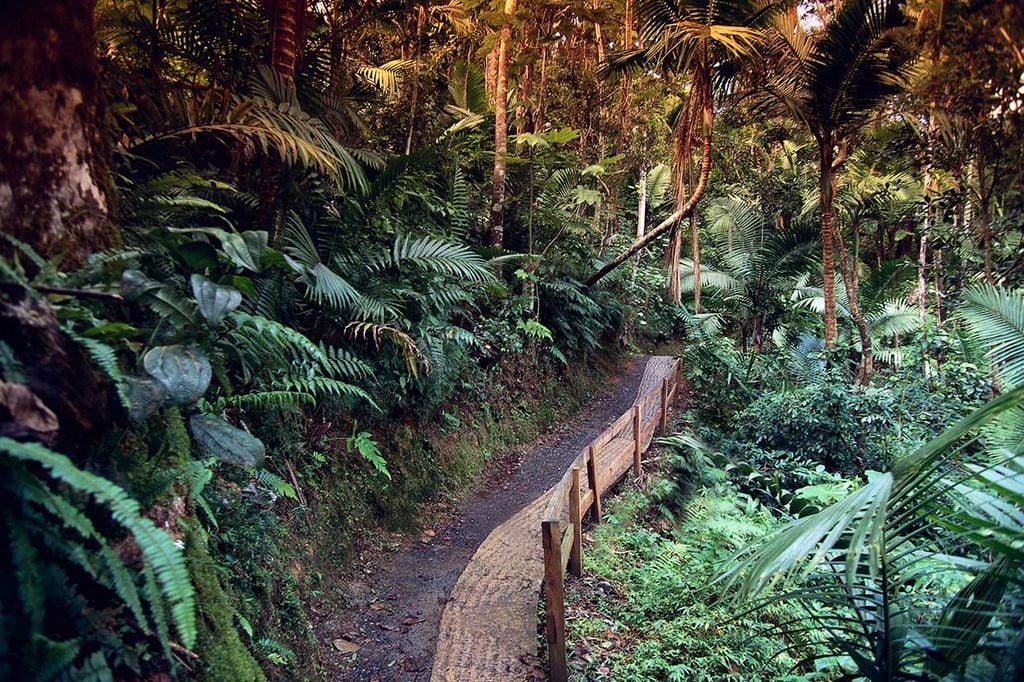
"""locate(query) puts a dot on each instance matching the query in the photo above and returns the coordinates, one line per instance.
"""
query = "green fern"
(158, 550)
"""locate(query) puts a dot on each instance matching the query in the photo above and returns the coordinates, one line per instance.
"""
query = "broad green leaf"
(145, 396)
(221, 440)
(134, 284)
(183, 372)
(215, 301)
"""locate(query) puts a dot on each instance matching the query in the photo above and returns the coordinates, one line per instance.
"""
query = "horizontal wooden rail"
(604, 462)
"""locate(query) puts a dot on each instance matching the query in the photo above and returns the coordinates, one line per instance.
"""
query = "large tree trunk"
(867, 363)
(828, 221)
(286, 30)
(55, 190)
(497, 231)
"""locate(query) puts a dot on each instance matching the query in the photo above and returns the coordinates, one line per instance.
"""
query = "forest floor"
(381, 622)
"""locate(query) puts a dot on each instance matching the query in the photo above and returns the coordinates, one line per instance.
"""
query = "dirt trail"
(397, 610)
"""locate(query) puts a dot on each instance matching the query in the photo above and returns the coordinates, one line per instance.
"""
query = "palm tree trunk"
(497, 232)
(867, 363)
(285, 18)
(284, 35)
(828, 221)
(55, 192)
(695, 241)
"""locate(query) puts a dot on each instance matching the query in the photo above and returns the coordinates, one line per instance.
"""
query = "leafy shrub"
(847, 429)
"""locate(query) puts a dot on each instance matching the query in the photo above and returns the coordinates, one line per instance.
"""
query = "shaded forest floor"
(381, 621)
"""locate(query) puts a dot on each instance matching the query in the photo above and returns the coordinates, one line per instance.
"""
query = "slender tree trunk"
(664, 226)
(879, 245)
(867, 363)
(598, 34)
(627, 30)
(938, 286)
(695, 241)
(828, 221)
(922, 258)
(641, 212)
(286, 18)
(421, 19)
(542, 91)
(497, 233)
(672, 256)
(55, 190)
(983, 219)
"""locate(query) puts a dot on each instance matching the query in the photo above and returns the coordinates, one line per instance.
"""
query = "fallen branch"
(683, 211)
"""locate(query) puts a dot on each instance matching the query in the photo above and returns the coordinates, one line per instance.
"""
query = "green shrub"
(847, 429)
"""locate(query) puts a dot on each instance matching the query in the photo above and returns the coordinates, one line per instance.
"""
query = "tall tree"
(497, 231)
(54, 168)
(831, 79)
(694, 38)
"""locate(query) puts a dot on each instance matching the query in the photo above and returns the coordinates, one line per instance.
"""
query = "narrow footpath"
(397, 610)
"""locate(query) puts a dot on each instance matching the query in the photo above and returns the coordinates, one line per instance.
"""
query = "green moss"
(222, 655)
(146, 461)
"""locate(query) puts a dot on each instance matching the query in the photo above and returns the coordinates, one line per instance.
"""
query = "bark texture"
(828, 222)
(54, 160)
(62, 402)
(497, 232)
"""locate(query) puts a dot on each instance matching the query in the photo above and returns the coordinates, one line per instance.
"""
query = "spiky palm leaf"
(855, 558)
(995, 317)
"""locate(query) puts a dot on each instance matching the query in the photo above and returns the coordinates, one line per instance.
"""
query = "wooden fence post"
(663, 422)
(575, 518)
(636, 439)
(595, 485)
(554, 606)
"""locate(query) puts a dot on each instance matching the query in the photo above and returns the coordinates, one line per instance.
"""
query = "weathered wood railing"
(619, 448)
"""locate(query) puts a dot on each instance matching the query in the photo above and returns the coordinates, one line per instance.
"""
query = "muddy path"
(389, 631)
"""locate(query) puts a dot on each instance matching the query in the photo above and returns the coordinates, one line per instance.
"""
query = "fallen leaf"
(345, 646)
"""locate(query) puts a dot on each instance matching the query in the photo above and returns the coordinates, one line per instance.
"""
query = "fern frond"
(161, 555)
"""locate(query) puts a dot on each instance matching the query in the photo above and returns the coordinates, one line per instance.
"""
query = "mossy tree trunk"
(54, 160)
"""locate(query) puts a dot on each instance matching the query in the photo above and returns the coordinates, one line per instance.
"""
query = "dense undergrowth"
(279, 556)
(752, 552)
(275, 273)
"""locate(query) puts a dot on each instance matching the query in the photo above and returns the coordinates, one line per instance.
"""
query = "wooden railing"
(596, 469)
